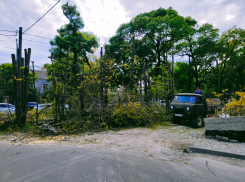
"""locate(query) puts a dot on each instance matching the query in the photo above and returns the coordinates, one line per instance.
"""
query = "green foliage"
(71, 41)
(181, 76)
(6, 72)
(97, 89)
(133, 114)
(6, 82)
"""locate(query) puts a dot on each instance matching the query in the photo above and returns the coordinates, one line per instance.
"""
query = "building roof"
(42, 74)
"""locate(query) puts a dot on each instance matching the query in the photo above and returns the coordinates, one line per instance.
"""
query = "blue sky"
(102, 17)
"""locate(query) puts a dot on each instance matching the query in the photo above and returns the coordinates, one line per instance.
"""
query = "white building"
(41, 82)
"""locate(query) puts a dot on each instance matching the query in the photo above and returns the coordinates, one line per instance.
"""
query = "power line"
(38, 36)
(47, 26)
(7, 31)
(7, 47)
(78, 2)
(6, 40)
(41, 17)
(35, 41)
(39, 45)
(7, 35)
(44, 29)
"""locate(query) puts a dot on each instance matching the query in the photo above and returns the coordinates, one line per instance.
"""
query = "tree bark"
(26, 82)
(21, 85)
(14, 63)
(189, 74)
(132, 66)
(145, 85)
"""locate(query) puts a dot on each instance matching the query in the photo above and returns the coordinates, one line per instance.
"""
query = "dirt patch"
(41, 142)
(154, 143)
(177, 145)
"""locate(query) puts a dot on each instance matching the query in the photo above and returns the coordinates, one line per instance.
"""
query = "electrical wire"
(44, 29)
(7, 47)
(6, 31)
(78, 2)
(35, 41)
(41, 17)
(38, 36)
(7, 35)
(6, 41)
(39, 45)
(38, 33)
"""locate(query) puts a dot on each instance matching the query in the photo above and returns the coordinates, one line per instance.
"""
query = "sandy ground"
(170, 143)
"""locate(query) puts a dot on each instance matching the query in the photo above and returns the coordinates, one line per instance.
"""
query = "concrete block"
(225, 124)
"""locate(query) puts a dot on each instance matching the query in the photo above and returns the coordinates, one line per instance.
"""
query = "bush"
(6, 121)
(236, 107)
(134, 114)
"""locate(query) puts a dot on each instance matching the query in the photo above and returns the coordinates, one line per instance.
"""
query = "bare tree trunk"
(101, 77)
(145, 85)
(26, 82)
(65, 85)
(196, 75)
(21, 86)
(14, 63)
(82, 91)
(132, 66)
(22, 92)
(18, 101)
(189, 74)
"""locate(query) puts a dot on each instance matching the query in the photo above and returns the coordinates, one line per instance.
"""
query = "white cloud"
(203, 21)
(229, 16)
(212, 11)
(141, 4)
(102, 17)
(105, 18)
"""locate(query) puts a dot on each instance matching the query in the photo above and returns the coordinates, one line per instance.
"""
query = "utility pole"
(33, 74)
(20, 40)
(17, 47)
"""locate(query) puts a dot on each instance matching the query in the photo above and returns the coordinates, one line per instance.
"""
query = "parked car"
(43, 106)
(6, 108)
(48, 106)
(31, 105)
(162, 103)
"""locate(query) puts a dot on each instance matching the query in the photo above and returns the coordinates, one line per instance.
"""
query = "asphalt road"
(88, 163)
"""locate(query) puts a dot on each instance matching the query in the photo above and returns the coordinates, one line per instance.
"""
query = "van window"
(199, 100)
(184, 99)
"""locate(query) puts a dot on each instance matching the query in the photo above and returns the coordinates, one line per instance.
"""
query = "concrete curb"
(216, 153)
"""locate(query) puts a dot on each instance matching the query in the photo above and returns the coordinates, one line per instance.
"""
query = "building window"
(45, 86)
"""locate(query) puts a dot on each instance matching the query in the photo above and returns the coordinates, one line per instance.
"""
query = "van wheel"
(198, 122)
(175, 120)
